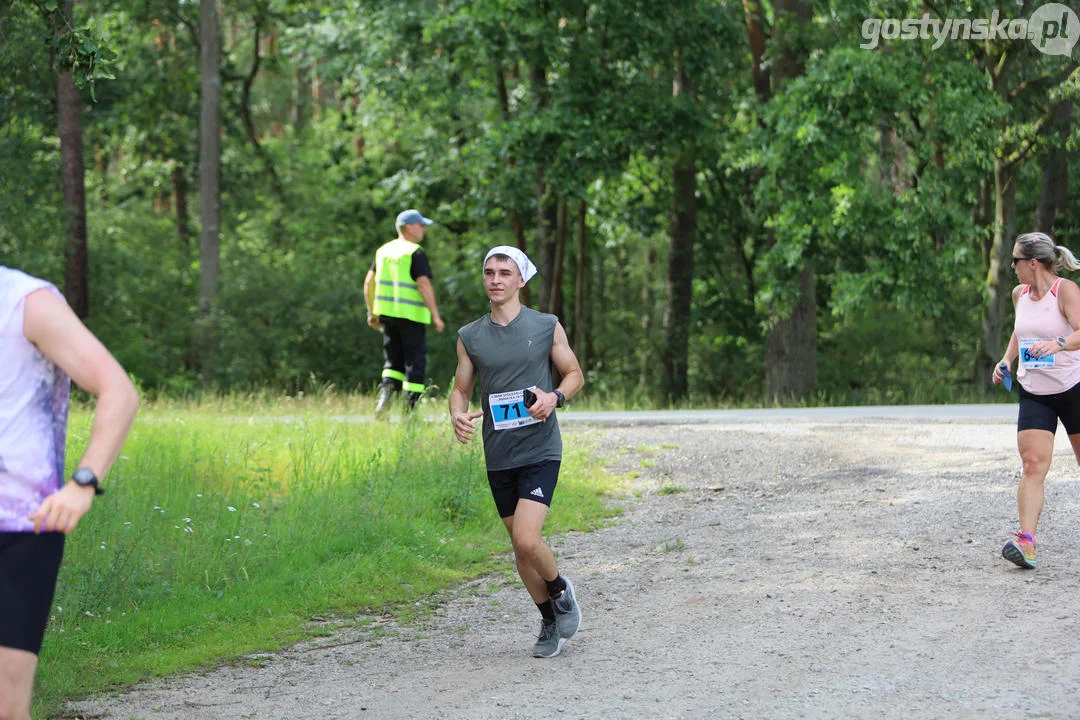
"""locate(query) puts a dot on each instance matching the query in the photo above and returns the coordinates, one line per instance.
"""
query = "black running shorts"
(29, 565)
(530, 482)
(1041, 412)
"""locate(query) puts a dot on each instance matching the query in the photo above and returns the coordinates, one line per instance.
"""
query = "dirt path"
(791, 570)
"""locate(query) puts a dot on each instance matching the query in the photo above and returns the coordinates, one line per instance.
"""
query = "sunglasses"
(1021, 259)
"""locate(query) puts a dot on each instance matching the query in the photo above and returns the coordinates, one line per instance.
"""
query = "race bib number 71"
(508, 411)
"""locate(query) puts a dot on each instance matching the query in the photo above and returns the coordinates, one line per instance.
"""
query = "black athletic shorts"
(529, 482)
(29, 565)
(1041, 412)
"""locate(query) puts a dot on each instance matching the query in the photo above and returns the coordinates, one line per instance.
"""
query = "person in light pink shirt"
(42, 345)
(1045, 342)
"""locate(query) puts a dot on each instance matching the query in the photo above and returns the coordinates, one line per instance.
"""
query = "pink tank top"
(1043, 320)
(33, 410)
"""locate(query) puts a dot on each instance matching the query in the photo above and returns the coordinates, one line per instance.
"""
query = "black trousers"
(404, 353)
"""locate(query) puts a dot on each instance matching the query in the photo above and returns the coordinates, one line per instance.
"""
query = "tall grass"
(229, 524)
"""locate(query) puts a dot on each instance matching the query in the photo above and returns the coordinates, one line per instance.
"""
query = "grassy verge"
(228, 525)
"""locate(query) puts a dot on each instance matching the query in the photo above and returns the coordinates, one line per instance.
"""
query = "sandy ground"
(794, 569)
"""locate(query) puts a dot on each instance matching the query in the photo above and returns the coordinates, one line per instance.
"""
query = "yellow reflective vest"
(396, 293)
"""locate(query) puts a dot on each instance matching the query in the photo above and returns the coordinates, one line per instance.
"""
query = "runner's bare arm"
(1069, 301)
(1011, 352)
(369, 300)
(55, 330)
(566, 362)
(1069, 305)
(427, 292)
(464, 379)
(1013, 349)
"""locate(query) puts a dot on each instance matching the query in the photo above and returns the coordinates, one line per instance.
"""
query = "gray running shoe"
(548, 643)
(567, 611)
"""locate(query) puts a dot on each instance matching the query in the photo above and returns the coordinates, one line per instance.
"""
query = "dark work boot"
(386, 396)
(411, 398)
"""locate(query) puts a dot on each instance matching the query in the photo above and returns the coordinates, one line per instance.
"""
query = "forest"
(761, 201)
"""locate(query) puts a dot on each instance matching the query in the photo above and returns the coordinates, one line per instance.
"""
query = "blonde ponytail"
(1066, 258)
(1042, 247)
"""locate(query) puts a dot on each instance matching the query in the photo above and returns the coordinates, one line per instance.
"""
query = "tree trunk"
(72, 172)
(791, 17)
(599, 281)
(518, 229)
(301, 109)
(646, 363)
(183, 212)
(1055, 170)
(546, 212)
(249, 122)
(209, 178)
(758, 34)
(791, 344)
(581, 287)
(503, 95)
(561, 231)
(1063, 189)
(103, 161)
(316, 92)
(999, 278)
(680, 279)
(546, 209)
(982, 217)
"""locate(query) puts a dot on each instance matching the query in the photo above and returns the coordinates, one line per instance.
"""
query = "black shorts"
(1041, 412)
(29, 565)
(529, 482)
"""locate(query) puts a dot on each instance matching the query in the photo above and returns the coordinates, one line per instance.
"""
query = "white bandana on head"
(520, 259)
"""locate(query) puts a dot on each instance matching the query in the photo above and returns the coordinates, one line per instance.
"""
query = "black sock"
(546, 609)
(556, 586)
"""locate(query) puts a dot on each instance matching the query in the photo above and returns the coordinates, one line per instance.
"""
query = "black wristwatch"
(85, 477)
(562, 399)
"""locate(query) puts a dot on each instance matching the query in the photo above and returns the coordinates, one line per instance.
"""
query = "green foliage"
(883, 354)
(147, 325)
(869, 165)
(30, 200)
(78, 49)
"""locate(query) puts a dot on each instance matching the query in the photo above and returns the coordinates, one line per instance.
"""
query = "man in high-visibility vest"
(401, 302)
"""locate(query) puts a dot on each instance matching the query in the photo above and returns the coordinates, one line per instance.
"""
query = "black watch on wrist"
(562, 399)
(85, 477)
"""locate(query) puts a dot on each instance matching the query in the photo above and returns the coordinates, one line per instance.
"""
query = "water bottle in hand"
(1006, 376)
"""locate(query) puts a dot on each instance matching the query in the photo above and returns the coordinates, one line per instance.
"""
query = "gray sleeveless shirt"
(508, 359)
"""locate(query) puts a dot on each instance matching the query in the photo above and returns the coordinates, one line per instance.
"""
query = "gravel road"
(790, 569)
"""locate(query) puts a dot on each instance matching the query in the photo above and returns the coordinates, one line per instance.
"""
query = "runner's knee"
(527, 546)
(1035, 465)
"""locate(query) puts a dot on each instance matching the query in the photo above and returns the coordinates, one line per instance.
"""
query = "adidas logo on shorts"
(537, 493)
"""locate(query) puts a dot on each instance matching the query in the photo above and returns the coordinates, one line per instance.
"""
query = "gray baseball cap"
(407, 217)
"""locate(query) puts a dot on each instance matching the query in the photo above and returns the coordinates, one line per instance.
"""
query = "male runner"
(512, 349)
